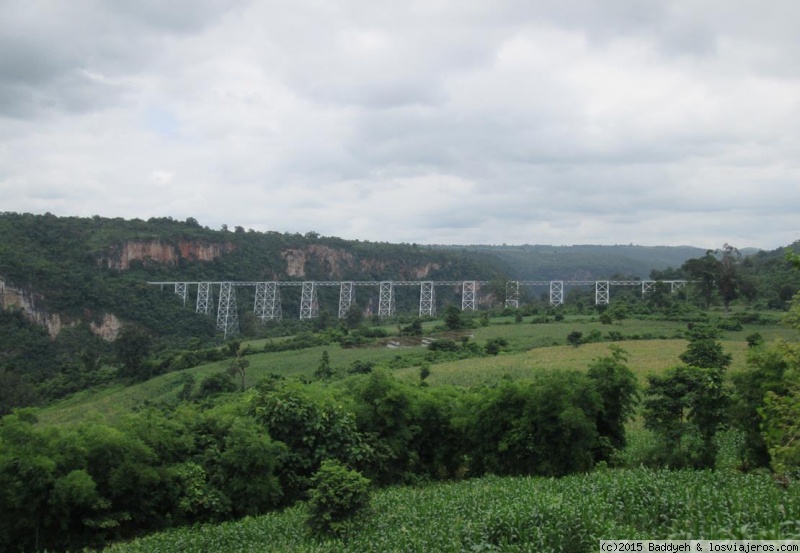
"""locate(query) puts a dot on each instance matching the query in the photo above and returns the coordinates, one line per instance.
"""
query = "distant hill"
(584, 261)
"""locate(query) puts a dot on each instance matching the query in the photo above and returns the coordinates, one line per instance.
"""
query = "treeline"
(244, 454)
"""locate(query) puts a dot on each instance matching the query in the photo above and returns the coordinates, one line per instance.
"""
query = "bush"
(337, 496)
(443, 344)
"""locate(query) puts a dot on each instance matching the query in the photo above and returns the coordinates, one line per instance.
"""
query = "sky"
(673, 122)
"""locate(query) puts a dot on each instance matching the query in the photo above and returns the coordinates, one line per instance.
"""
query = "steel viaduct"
(267, 306)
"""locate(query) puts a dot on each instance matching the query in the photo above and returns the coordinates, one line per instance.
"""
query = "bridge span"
(267, 305)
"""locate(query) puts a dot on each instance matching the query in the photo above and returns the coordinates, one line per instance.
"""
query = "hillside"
(587, 261)
(62, 271)
(66, 271)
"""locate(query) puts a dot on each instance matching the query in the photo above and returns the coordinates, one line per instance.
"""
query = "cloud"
(424, 121)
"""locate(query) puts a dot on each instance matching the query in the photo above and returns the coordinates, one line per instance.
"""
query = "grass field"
(531, 349)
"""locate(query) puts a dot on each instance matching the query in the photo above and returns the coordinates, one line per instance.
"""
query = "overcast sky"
(519, 121)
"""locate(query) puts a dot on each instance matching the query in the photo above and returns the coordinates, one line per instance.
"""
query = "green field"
(570, 514)
(531, 348)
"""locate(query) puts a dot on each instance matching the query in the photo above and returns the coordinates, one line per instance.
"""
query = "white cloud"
(429, 122)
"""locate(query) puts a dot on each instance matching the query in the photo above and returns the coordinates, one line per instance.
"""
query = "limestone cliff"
(337, 262)
(157, 251)
(31, 305)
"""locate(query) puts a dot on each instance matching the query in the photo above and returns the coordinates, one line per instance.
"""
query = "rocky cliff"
(157, 251)
(31, 305)
(337, 262)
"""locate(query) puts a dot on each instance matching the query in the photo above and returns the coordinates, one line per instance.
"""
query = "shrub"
(337, 496)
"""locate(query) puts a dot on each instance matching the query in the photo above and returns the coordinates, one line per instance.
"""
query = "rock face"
(336, 263)
(31, 305)
(156, 251)
(108, 328)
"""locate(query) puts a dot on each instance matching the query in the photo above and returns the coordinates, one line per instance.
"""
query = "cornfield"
(570, 514)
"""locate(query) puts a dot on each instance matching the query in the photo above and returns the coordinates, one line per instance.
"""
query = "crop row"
(570, 514)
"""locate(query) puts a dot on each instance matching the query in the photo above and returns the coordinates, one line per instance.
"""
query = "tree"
(324, 370)
(337, 496)
(728, 280)
(781, 400)
(619, 393)
(452, 318)
(704, 350)
(15, 392)
(575, 338)
(687, 405)
(238, 365)
(238, 368)
(705, 271)
(354, 316)
(132, 347)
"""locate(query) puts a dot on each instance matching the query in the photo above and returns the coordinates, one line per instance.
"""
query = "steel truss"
(601, 292)
(556, 292)
(386, 299)
(309, 306)
(180, 291)
(347, 295)
(648, 287)
(268, 302)
(468, 295)
(512, 294)
(227, 316)
(205, 300)
(427, 299)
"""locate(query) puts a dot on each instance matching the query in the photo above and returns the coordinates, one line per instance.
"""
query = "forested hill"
(85, 269)
(62, 271)
(584, 261)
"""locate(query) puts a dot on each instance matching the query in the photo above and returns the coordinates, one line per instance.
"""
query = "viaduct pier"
(267, 305)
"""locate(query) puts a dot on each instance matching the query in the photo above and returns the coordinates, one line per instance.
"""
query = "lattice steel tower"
(468, 295)
(512, 294)
(309, 306)
(427, 299)
(268, 302)
(346, 298)
(386, 300)
(227, 316)
(556, 292)
(205, 300)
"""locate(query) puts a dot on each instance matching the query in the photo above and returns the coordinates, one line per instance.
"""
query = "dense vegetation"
(313, 417)
(88, 483)
(570, 514)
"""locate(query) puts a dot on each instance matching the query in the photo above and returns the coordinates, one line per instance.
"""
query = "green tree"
(452, 318)
(704, 350)
(781, 409)
(238, 368)
(705, 270)
(354, 316)
(728, 280)
(313, 425)
(619, 393)
(324, 370)
(132, 347)
(575, 338)
(686, 405)
(336, 497)
(15, 392)
(546, 427)
(764, 375)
